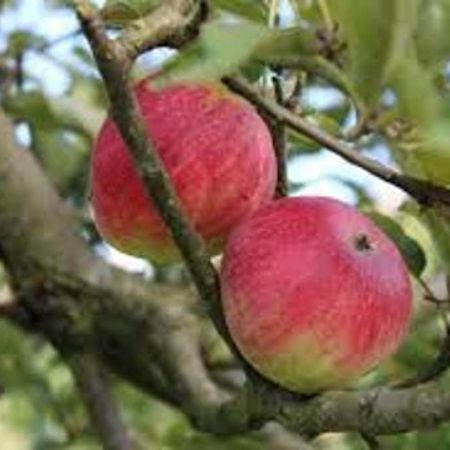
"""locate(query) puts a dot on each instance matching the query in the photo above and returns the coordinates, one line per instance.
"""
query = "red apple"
(314, 294)
(219, 155)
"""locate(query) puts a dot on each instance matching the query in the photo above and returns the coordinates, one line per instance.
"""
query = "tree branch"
(94, 385)
(279, 137)
(377, 411)
(76, 300)
(423, 191)
(174, 23)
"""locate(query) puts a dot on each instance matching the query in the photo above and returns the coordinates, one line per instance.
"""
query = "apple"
(217, 151)
(314, 294)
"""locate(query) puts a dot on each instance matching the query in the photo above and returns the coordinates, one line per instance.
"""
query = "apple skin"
(217, 151)
(314, 294)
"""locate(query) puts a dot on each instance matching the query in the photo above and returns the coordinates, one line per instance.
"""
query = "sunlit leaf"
(377, 34)
(283, 45)
(432, 43)
(50, 113)
(426, 149)
(440, 229)
(33, 106)
(255, 10)
(299, 143)
(220, 49)
(307, 10)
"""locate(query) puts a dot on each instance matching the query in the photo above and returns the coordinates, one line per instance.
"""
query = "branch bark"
(278, 131)
(173, 24)
(95, 388)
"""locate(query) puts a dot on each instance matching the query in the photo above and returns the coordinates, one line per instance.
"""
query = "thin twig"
(423, 191)
(429, 295)
(279, 140)
(94, 385)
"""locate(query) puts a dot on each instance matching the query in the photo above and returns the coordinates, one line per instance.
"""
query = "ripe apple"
(314, 294)
(218, 152)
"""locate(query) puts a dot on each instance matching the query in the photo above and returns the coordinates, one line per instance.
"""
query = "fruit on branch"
(217, 151)
(314, 294)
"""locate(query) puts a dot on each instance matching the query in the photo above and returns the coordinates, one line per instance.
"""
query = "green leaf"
(283, 45)
(223, 47)
(301, 144)
(417, 97)
(307, 10)
(424, 151)
(19, 41)
(63, 155)
(220, 49)
(366, 25)
(440, 229)
(410, 249)
(432, 43)
(377, 34)
(119, 12)
(404, 25)
(55, 113)
(255, 10)
(77, 115)
(32, 106)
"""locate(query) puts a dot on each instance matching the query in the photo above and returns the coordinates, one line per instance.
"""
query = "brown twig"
(279, 140)
(423, 191)
(94, 385)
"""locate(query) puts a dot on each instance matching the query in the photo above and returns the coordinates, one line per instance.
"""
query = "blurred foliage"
(119, 12)
(382, 62)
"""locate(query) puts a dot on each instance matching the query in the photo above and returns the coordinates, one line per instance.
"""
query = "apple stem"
(362, 243)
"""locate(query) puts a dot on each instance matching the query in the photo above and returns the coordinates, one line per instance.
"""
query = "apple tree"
(356, 97)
